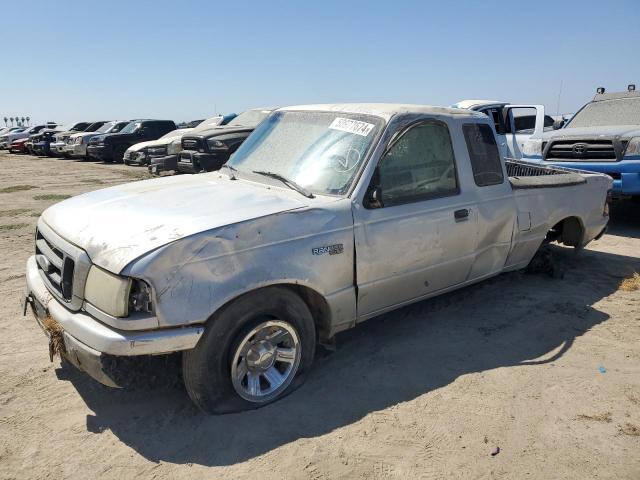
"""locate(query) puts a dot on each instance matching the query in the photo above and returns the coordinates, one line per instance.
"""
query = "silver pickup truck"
(326, 216)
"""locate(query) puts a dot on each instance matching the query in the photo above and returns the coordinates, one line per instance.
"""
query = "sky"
(69, 60)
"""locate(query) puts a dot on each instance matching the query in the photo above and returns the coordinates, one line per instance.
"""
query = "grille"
(57, 267)
(191, 144)
(582, 150)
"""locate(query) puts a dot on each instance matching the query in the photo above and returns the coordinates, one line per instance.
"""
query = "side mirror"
(558, 124)
(373, 197)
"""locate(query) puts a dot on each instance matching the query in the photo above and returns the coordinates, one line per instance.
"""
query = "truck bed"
(532, 175)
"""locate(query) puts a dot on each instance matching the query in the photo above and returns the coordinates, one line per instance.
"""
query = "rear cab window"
(483, 153)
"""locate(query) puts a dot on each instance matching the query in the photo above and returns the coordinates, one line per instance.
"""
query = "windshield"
(320, 151)
(106, 127)
(620, 111)
(130, 128)
(93, 127)
(209, 123)
(250, 118)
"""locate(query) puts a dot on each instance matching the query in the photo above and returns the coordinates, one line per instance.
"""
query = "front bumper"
(196, 162)
(41, 148)
(76, 150)
(136, 158)
(91, 340)
(163, 164)
(625, 173)
(101, 152)
(59, 148)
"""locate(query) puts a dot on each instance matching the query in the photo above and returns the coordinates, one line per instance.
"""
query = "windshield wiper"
(289, 183)
(232, 173)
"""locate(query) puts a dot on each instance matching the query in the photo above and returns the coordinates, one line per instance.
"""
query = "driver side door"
(419, 236)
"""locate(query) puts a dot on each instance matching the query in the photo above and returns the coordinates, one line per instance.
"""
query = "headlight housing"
(174, 147)
(108, 292)
(633, 149)
(116, 295)
(217, 144)
(78, 141)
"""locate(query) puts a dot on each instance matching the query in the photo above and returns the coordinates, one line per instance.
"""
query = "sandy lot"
(547, 369)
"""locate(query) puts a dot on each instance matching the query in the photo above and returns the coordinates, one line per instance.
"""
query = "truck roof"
(477, 103)
(615, 95)
(383, 110)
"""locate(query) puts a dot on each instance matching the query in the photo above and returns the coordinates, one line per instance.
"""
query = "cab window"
(483, 153)
(419, 165)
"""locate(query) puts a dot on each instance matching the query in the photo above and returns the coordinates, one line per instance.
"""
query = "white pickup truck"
(514, 124)
(326, 216)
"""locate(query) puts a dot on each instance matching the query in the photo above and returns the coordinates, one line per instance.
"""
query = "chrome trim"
(82, 263)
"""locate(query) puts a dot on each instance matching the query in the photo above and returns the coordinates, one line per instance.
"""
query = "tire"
(207, 369)
(118, 154)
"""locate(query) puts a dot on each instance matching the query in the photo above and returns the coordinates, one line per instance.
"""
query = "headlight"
(633, 149)
(217, 144)
(78, 141)
(532, 148)
(116, 295)
(108, 292)
(174, 147)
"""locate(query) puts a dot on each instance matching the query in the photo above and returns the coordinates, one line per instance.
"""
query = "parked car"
(111, 147)
(7, 138)
(41, 142)
(19, 146)
(514, 124)
(326, 216)
(62, 139)
(77, 143)
(65, 131)
(603, 136)
(208, 150)
(162, 155)
(11, 129)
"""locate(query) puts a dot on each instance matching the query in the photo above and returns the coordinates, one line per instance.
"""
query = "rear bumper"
(100, 338)
(163, 164)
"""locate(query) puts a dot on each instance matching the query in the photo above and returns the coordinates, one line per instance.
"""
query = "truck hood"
(119, 224)
(154, 143)
(624, 131)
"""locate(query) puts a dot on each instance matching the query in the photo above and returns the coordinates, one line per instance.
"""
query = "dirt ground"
(545, 368)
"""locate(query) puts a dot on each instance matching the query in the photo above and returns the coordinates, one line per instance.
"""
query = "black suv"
(111, 147)
(208, 150)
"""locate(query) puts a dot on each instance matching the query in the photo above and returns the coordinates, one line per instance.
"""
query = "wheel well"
(568, 231)
(315, 301)
(318, 307)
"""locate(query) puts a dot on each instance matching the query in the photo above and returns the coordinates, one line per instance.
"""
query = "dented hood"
(119, 224)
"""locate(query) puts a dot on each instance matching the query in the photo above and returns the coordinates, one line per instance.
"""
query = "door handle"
(461, 214)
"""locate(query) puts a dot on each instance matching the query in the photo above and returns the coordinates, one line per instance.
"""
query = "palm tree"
(11, 118)
(22, 119)
(28, 120)
(5, 121)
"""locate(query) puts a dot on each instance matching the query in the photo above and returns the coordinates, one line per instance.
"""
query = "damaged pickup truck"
(326, 216)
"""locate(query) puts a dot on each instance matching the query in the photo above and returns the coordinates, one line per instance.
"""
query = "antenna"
(558, 104)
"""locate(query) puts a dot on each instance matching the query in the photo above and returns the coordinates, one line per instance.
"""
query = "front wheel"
(254, 351)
